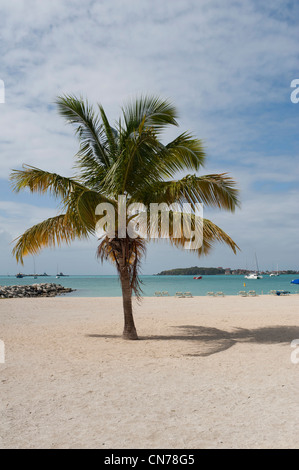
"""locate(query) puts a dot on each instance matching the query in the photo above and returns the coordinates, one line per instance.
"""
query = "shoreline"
(109, 286)
(206, 373)
(228, 296)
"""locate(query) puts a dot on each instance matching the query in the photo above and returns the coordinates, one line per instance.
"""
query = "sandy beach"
(206, 373)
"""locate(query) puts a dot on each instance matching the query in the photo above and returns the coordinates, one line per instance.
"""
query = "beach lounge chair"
(252, 293)
(211, 294)
(187, 294)
(282, 292)
(158, 294)
(179, 294)
(220, 294)
(165, 293)
(242, 293)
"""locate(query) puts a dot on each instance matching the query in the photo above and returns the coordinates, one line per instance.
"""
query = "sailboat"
(274, 274)
(255, 275)
(60, 274)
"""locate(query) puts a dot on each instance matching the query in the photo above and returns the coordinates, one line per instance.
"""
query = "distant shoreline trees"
(203, 271)
(194, 271)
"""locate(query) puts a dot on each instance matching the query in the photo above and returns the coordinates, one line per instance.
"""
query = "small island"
(203, 271)
(193, 271)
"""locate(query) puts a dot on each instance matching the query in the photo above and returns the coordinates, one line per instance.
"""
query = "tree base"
(132, 335)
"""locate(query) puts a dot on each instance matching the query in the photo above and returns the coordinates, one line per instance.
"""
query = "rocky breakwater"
(33, 290)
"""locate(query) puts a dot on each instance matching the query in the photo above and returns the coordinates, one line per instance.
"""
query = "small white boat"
(253, 276)
(274, 274)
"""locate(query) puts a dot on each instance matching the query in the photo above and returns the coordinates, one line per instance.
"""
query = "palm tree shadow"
(208, 340)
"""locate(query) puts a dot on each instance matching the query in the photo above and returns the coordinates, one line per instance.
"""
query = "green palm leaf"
(215, 190)
(92, 154)
(41, 181)
(155, 112)
(211, 234)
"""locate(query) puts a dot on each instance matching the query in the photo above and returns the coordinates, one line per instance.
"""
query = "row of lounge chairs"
(183, 294)
(162, 294)
(279, 292)
(250, 293)
(242, 293)
(177, 294)
(215, 294)
(187, 294)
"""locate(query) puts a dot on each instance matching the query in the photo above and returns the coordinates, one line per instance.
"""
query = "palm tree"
(128, 160)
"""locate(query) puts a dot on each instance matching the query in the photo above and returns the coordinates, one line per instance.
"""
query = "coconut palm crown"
(129, 160)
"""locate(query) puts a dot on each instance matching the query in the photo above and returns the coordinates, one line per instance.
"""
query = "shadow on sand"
(210, 341)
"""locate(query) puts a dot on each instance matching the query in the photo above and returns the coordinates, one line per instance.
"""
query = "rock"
(33, 290)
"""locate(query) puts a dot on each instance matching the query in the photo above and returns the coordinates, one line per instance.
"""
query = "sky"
(227, 66)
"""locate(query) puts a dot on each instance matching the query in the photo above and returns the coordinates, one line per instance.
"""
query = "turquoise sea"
(109, 286)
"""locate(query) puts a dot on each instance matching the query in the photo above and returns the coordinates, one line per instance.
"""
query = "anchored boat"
(253, 276)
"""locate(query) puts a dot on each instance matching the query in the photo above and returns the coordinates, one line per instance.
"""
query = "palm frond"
(111, 135)
(148, 162)
(83, 204)
(135, 165)
(49, 233)
(92, 153)
(184, 152)
(41, 181)
(156, 113)
(215, 190)
(211, 234)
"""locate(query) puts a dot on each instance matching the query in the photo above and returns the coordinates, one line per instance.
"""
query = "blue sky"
(226, 65)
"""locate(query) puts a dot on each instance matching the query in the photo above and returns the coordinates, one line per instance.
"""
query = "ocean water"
(109, 286)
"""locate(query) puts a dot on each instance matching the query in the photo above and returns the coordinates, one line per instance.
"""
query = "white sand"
(207, 373)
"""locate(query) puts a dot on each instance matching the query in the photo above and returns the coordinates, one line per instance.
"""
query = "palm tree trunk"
(129, 326)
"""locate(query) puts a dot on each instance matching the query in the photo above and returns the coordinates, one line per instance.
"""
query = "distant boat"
(295, 281)
(61, 275)
(197, 277)
(274, 274)
(253, 276)
(19, 275)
